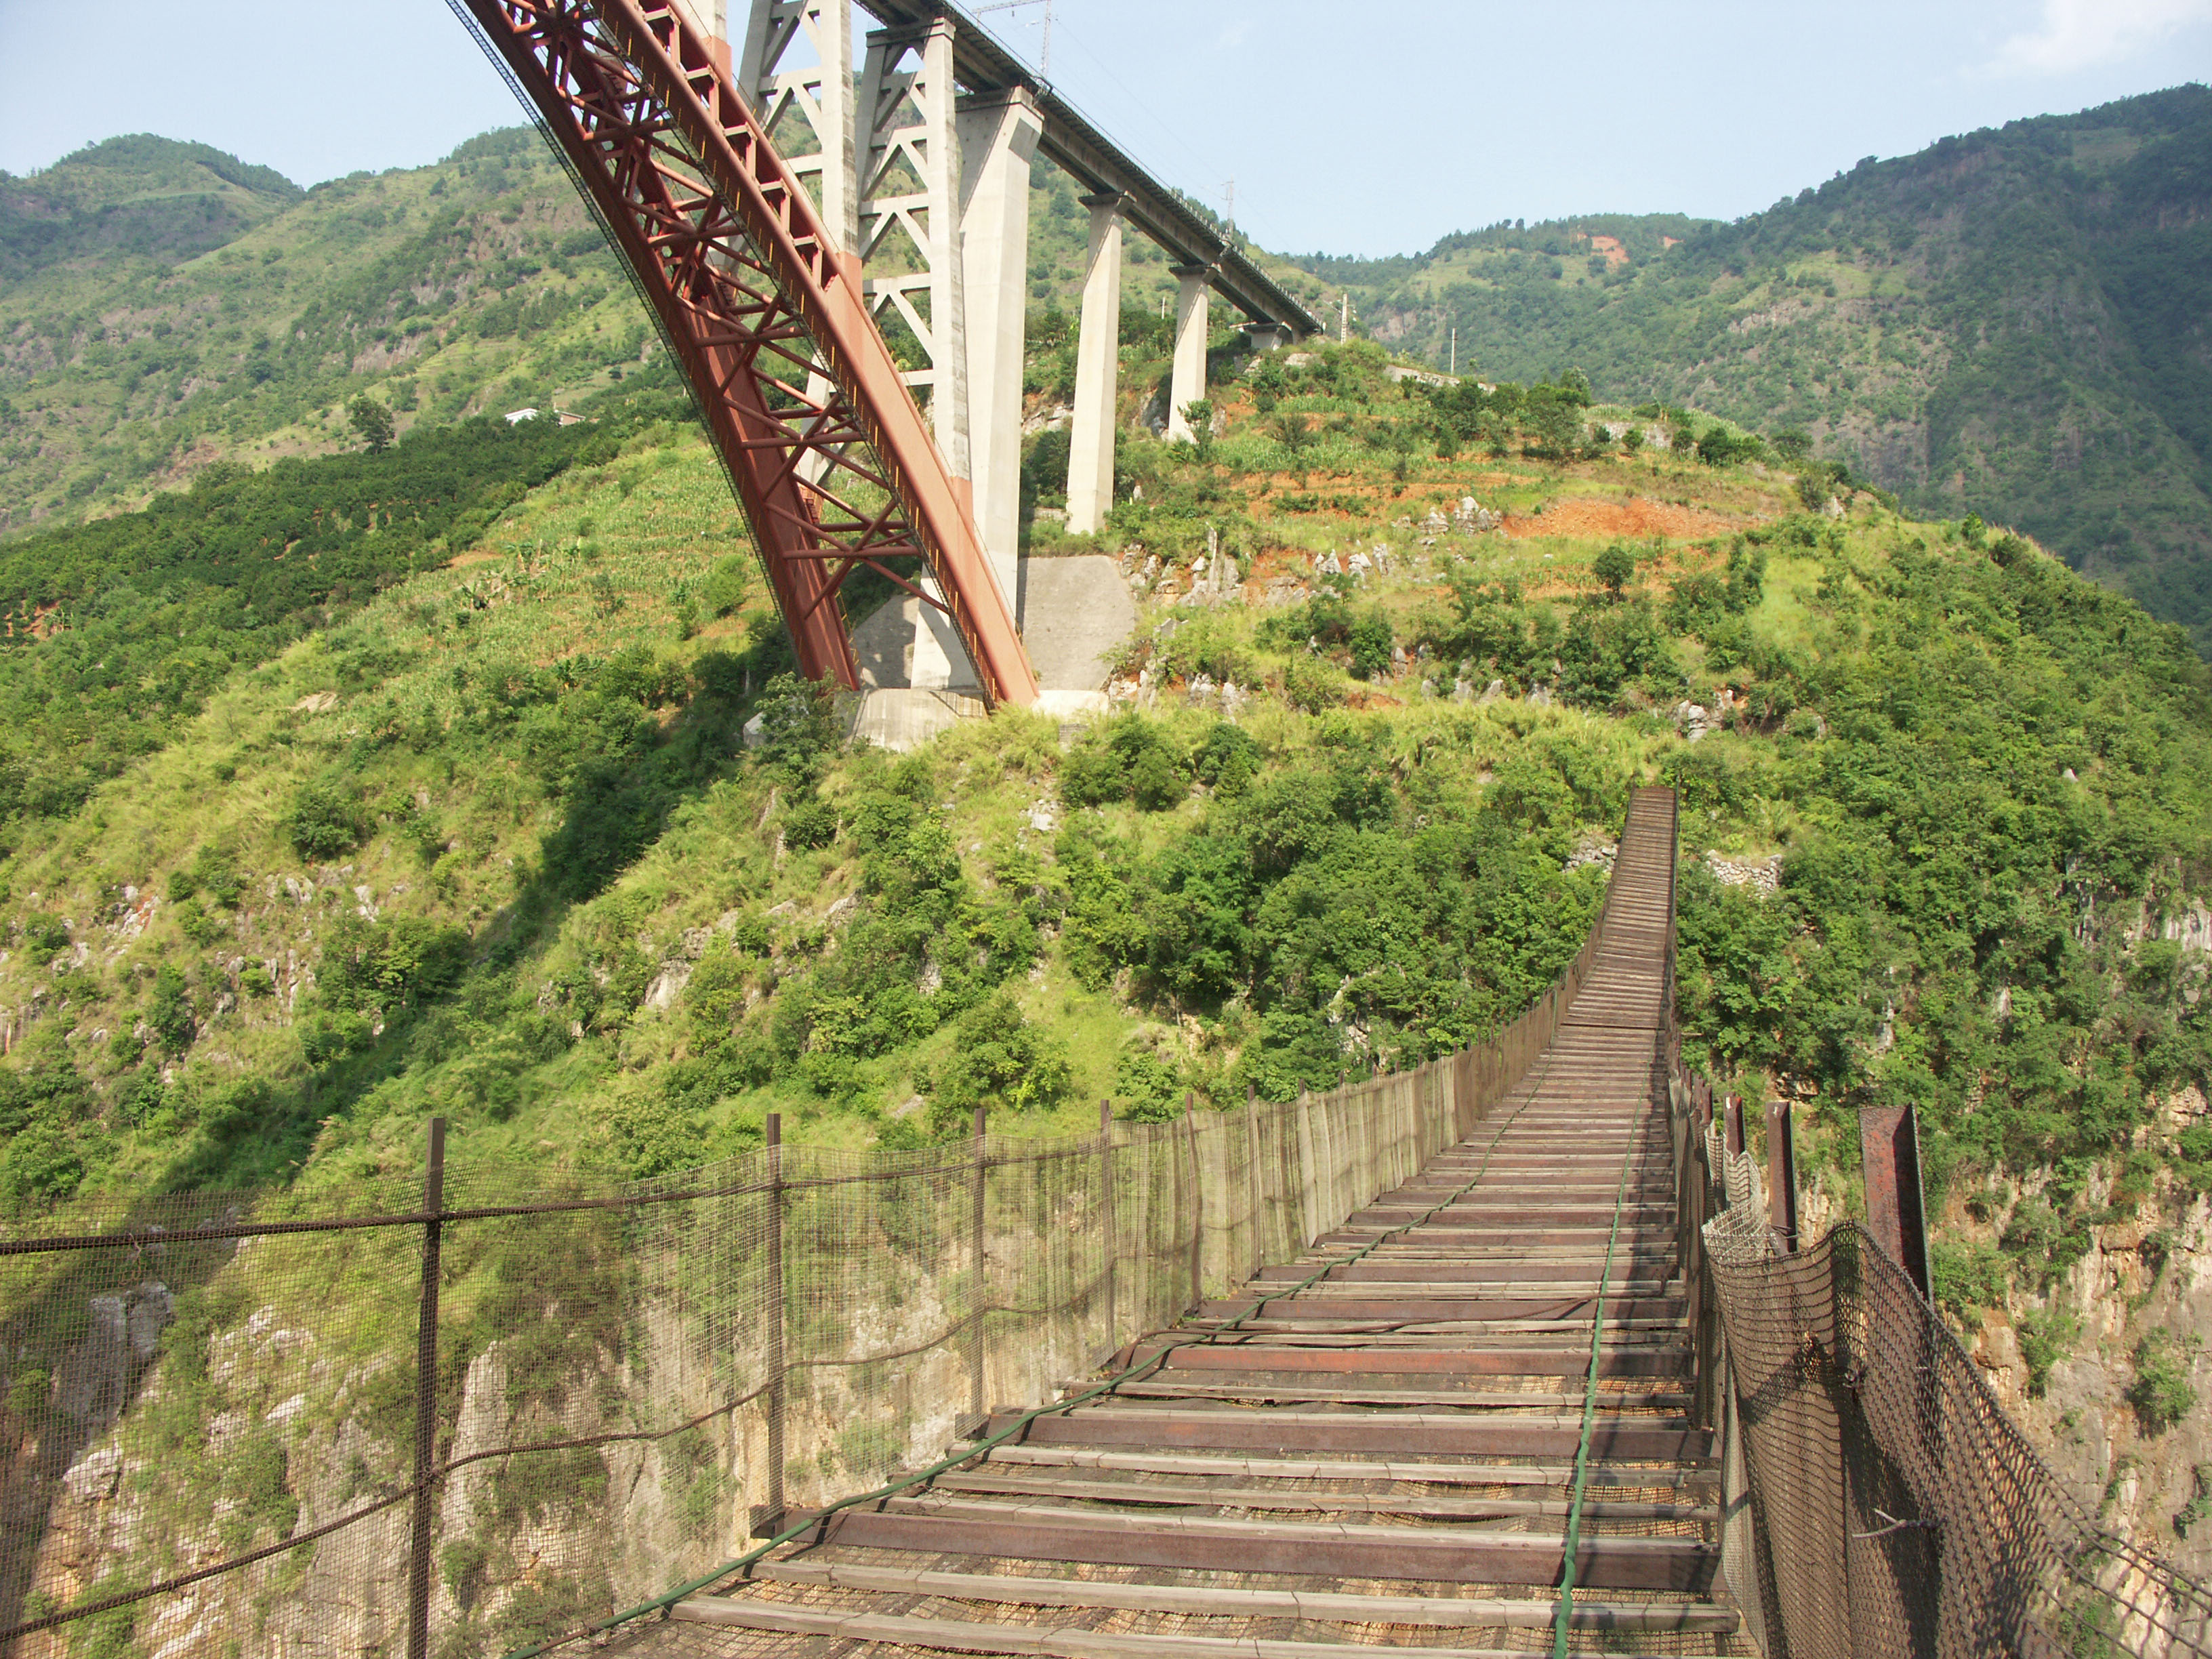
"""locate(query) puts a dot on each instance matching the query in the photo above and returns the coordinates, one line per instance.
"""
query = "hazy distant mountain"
(142, 195)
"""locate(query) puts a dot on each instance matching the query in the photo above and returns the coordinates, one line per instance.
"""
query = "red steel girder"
(833, 463)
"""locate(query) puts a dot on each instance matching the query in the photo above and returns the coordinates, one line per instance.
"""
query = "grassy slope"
(1991, 325)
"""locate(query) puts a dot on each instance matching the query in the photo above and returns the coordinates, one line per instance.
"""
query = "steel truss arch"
(830, 455)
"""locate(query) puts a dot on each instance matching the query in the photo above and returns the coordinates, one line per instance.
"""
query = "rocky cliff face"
(2147, 1480)
(188, 1428)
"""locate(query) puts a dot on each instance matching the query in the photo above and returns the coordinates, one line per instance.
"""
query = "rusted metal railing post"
(1889, 1153)
(426, 1398)
(772, 1517)
(1252, 1171)
(1197, 1199)
(1110, 1238)
(976, 1297)
(1782, 1174)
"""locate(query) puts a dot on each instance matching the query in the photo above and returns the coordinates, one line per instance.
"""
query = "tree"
(726, 584)
(1613, 568)
(798, 726)
(1554, 421)
(1721, 448)
(323, 822)
(1198, 414)
(1295, 433)
(1372, 642)
(998, 1059)
(372, 420)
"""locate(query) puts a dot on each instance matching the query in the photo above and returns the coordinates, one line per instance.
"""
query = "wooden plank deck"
(1383, 1458)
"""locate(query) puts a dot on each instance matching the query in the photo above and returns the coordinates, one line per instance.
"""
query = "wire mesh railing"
(482, 1409)
(1877, 1500)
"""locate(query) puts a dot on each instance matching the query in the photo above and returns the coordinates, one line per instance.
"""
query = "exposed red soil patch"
(1610, 246)
(1364, 702)
(1269, 562)
(1638, 517)
(40, 624)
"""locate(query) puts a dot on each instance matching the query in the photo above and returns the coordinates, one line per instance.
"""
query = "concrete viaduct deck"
(1103, 168)
(1383, 1451)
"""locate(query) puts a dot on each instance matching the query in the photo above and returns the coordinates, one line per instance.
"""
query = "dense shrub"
(324, 820)
(1000, 1059)
(2161, 1393)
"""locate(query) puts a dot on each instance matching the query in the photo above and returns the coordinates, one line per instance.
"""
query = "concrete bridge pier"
(1186, 383)
(808, 111)
(998, 134)
(922, 165)
(1098, 369)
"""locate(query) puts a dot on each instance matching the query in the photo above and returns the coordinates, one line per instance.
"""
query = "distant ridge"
(139, 195)
(2012, 323)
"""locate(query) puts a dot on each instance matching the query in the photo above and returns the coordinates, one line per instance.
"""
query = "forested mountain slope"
(164, 307)
(481, 836)
(139, 197)
(2009, 322)
(198, 332)
(2012, 323)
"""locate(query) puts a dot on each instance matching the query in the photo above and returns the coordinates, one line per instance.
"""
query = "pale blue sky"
(1369, 127)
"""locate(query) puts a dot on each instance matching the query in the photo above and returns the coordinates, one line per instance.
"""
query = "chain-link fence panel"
(1897, 1509)
(226, 1411)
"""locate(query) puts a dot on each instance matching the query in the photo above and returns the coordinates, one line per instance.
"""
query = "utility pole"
(1454, 349)
(1045, 66)
(1230, 220)
(1343, 317)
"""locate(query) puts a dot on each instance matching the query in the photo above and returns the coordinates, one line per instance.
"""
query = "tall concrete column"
(1187, 384)
(999, 134)
(820, 95)
(1097, 368)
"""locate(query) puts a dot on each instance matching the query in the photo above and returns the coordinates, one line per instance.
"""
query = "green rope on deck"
(1589, 1417)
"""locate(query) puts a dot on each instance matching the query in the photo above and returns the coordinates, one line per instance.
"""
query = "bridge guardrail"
(486, 1411)
(1876, 1499)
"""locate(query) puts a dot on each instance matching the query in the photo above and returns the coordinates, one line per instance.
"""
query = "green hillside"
(477, 285)
(136, 199)
(2009, 323)
(466, 824)
(1999, 324)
